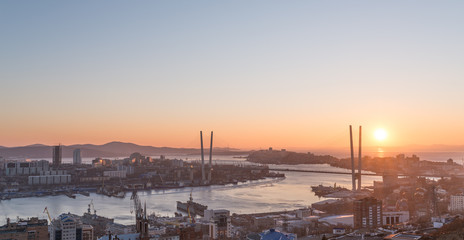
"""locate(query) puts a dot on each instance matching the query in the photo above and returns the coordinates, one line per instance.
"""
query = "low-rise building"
(30, 229)
(392, 218)
(115, 174)
(49, 179)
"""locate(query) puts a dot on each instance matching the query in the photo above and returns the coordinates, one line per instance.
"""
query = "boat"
(191, 207)
(69, 194)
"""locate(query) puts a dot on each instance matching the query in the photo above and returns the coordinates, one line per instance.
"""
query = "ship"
(321, 190)
(191, 207)
(70, 195)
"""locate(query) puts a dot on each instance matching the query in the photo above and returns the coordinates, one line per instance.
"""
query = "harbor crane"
(48, 214)
(190, 216)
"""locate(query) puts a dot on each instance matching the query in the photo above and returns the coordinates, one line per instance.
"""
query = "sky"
(285, 74)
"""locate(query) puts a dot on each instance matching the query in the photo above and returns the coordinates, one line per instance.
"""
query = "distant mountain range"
(112, 149)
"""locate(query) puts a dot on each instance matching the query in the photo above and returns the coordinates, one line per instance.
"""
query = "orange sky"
(288, 75)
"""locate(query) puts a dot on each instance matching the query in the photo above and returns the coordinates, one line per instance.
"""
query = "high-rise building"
(219, 223)
(57, 155)
(77, 157)
(66, 227)
(368, 213)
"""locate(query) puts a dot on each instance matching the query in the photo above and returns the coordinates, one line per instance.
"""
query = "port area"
(116, 177)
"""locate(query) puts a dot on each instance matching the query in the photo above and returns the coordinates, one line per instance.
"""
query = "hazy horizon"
(369, 149)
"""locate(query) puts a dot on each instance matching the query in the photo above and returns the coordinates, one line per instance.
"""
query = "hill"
(111, 149)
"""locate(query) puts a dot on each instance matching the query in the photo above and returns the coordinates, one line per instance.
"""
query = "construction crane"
(48, 213)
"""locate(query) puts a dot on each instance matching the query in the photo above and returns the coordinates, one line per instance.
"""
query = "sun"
(380, 134)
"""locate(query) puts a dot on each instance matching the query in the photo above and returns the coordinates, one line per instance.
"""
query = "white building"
(49, 179)
(219, 223)
(456, 203)
(65, 227)
(129, 169)
(115, 174)
(77, 157)
(25, 167)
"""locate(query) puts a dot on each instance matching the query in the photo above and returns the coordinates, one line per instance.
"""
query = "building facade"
(56, 155)
(87, 232)
(77, 160)
(393, 218)
(30, 229)
(25, 167)
(456, 203)
(219, 223)
(115, 174)
(66, 227)
(49, 179)
(368, 213)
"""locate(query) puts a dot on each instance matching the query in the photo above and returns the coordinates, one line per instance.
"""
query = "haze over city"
(261, 73)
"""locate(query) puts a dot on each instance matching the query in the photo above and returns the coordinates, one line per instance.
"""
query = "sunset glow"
(380, 134)
(299, 90)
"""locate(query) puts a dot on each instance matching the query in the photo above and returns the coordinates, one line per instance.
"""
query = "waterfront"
(251, 197)
(435, 156)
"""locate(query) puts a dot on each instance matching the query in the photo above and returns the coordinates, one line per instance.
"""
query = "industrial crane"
(46, 210)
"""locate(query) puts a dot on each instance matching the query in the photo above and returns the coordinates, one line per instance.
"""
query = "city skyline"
(258, 74)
